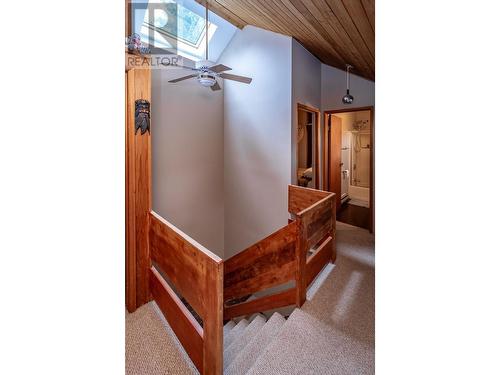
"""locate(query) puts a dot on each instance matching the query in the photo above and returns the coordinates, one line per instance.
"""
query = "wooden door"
(335, 157)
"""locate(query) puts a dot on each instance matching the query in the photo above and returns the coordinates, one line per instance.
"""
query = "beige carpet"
(334, 333)
(151, 347)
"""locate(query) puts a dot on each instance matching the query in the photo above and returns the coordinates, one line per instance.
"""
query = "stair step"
(256, 346)
(228, 327)
(235, 333)
(232, 351)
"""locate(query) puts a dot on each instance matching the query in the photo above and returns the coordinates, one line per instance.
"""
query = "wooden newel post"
(301, 253)
(334, 230)
(213, 322)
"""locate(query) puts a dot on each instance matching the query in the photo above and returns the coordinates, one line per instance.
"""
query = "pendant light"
(348, 98)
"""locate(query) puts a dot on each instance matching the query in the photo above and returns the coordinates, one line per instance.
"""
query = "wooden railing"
(196, 274)
(314, 212)
(297, 252)
(181, 270)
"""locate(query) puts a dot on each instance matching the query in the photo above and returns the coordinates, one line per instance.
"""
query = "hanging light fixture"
(348, 98)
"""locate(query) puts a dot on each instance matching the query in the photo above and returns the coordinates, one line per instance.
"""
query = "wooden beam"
(318, 260)
(182, 322)
(272, 301)
(138, 191)
(213, 319)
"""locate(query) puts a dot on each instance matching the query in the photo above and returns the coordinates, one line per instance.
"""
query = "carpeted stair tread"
(235, 333)
(231, 352)
(247, 357)
(310, 343)
(228, 327)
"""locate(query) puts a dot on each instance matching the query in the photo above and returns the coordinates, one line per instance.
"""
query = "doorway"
(348, 161)
(307, 155)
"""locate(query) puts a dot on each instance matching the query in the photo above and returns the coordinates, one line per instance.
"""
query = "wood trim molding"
(317, 114)
(319, 259)
(184, 325)
(372, 155)
(265, 303)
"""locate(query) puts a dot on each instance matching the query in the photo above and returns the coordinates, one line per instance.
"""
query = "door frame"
(317, 114)
(372, 154)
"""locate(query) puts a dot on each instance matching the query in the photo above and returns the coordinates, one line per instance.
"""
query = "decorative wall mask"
(142, 116)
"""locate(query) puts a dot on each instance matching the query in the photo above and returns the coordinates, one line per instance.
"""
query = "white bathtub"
(360, 196)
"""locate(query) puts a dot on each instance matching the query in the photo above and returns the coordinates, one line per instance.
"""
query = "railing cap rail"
(191, 241)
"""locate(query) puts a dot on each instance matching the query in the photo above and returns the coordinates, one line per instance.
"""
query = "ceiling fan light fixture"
(206, 79)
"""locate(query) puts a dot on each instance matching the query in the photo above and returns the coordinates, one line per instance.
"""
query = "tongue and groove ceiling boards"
(337, 32)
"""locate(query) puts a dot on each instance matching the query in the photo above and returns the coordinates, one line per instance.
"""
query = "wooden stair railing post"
(334, 231)
(213, 322)
(300, 282)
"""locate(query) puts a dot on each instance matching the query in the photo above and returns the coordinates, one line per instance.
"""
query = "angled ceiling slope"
(337, 32)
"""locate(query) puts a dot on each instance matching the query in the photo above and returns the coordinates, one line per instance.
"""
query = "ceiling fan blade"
(219, 68)
(183, 78)
(215, 87)
(185, 67)
(234, 77)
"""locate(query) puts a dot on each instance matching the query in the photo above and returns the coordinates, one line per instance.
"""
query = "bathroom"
(355, 166)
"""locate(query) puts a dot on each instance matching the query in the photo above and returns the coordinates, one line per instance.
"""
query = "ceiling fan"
(207, 73)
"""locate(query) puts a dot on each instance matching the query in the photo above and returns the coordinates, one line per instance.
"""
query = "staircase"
(246, 341)
(332, 333)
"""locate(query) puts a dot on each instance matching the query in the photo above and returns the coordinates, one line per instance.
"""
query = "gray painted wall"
(257, 137)
(333, 86)
(188, 157)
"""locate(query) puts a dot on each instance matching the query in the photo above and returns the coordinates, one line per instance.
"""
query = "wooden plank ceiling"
(337, 32)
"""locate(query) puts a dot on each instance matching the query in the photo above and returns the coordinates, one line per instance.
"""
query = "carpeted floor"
(151, 347)
(334, 333)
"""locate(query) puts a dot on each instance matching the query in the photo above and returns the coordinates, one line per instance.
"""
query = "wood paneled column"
(137, 193)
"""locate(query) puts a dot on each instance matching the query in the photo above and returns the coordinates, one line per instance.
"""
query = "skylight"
(181, 25)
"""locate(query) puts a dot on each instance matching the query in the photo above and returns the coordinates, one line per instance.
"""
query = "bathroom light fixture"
(348, 98)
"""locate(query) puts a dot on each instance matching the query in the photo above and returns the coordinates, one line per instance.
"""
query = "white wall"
(306, 89)
(257, 137)
(333, 88)
(187, 149)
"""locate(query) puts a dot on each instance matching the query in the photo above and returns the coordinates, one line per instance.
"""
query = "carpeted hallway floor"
(334, 333)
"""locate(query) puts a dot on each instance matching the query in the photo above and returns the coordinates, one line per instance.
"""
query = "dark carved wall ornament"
(142, 116)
